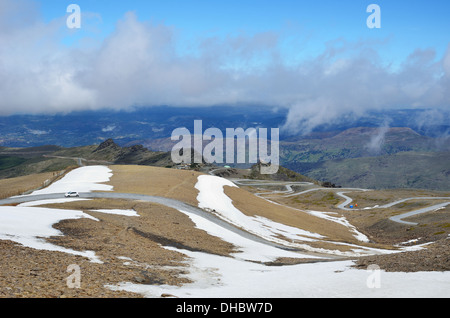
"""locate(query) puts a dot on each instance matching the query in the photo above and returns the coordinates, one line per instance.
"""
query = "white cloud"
(376, 142)
(109, 128)
(138, 64)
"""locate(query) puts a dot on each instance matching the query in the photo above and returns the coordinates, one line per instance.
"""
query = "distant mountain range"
(125, 128)
(412, 151)
(148, 124)
(23, 161)
(373, 158)
(367, 157)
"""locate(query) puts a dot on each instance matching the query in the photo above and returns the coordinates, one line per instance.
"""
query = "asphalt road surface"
(343, 206)
(172, 203)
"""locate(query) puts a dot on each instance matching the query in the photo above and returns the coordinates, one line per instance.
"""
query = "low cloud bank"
(140, 64)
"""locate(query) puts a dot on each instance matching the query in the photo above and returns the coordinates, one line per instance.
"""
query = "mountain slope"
(359, 142)
(419, 170)
(16, 162)
(371, 158)
(111, 152)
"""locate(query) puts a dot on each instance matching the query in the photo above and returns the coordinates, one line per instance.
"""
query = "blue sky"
(305, 25)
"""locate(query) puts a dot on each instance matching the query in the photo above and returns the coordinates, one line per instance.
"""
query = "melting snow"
(212, 197)
(29, 225)
(239, 276)
(84, 179)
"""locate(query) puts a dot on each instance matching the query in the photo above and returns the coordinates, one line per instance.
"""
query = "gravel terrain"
(436, 257)
(133, 249)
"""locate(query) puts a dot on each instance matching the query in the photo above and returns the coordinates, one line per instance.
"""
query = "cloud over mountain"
(140, 64)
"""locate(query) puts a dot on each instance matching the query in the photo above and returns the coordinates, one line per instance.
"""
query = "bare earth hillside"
(221, 229)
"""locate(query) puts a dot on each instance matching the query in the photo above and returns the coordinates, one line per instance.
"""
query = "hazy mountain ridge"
(153, 123)
(374, 158)
(340, 152)
(361, 142)
(419, 170)
(24, 161)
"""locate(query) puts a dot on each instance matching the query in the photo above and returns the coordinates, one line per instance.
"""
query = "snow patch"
(343, 221)
(84, 179)
(211, 197)
(248, 249)
(224, 277)
(29, 226)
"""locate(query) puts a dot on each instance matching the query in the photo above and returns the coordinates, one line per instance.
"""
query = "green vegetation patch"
(7, 162)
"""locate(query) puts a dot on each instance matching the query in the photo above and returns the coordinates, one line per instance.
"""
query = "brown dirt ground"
(252, 206)
(375, 223)
(180, 185)
(380, 197)
(323, 200)
(170, 183)
(30, 273)
(25, 272)
(19, 185)
(432, 226)
(436, 257)
(156, 224)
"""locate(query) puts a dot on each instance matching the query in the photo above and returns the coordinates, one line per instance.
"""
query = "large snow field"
(225, 277)
(84, 179)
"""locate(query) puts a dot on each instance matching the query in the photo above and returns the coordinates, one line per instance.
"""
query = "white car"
(72, 195)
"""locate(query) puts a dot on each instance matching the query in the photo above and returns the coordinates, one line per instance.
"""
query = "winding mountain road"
(172, 203)
(289, 192)
(186, 208)
(80, 160)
